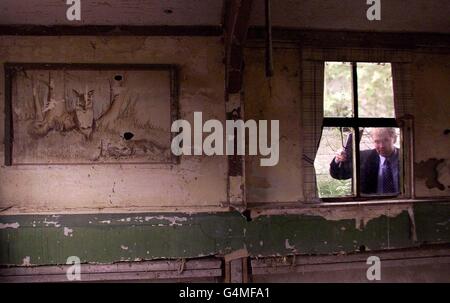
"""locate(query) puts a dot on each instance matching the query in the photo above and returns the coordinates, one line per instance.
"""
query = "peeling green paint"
(103, 238)
(316, 235)
(432, 222)
(107, 238)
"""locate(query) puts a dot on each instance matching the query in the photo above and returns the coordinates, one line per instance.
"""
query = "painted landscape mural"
(91, 116)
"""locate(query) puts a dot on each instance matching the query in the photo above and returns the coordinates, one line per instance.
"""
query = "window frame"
(355, 122)
(313, 60)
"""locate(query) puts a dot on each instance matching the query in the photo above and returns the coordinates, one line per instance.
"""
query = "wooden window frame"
(356, 123)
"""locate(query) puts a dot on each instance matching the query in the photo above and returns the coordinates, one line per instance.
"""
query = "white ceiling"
(396, 15)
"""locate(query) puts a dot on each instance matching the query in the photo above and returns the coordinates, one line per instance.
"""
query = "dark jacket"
(370, 162)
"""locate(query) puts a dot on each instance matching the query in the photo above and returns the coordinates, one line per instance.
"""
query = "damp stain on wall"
(430, 170)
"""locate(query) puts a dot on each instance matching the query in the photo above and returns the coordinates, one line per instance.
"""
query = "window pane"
(375, 93)
(334, 179)
(338, 96)
(380, 157)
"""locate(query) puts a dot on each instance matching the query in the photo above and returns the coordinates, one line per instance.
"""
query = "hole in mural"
(118, 78)
(168, 11)
(128, 135)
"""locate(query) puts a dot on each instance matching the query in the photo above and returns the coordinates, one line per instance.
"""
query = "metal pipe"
(269, 54)
(412, 155)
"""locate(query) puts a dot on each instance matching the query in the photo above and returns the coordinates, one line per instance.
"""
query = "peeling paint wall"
(200, 183)
(431, 76)
(195, 182)
(275, 99)
(107, 238)
(280, 98)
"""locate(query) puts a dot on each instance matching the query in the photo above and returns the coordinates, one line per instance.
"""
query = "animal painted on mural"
(84, 113)
(56, 115)
(63, 107)
(144, 146)
(127, 147)
(52, 116)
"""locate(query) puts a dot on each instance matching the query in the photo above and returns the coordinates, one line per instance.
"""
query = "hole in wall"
(168, 11)
(118, 77)
(128, 135)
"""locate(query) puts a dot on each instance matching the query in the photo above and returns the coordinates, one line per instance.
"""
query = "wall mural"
(68, 115)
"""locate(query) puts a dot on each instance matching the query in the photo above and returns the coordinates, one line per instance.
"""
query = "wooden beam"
(320, 38)
(302, 263)
(269, 54)
(192, 270)
(109, 30)
(330, 38)
(236, 24)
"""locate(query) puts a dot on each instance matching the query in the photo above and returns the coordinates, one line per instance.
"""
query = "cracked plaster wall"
(431, 75)
(195, 182)
(280, 98)
(201, 181)
(275, 99)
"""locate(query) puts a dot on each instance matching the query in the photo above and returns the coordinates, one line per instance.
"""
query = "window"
(359, 131)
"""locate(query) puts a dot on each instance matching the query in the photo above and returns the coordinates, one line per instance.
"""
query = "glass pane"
(375, 93)
(334, 174)
(338, 96)
(380, 157)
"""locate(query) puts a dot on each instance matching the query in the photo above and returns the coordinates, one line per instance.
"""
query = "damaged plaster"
(431, 170)
(431, 76)
(9, 225)
(26, 261)
(360, 214)
(275, 98)
(175, 235)
(68, 232)
(173, 220)
(196, 182)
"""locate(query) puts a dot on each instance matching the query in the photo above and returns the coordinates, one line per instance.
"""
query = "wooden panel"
(149, 270)
(113, 12)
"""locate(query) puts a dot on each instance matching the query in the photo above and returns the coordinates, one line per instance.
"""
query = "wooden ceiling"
(397, 15)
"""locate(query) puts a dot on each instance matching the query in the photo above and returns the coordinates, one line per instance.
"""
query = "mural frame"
(10, 68)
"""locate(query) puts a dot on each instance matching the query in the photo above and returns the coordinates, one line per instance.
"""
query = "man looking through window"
(379, 166)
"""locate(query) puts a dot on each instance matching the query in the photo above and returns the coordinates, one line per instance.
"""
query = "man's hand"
(341, 156)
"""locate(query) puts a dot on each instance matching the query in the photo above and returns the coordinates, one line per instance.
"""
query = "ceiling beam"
(236, 24)
(319, 38)
(327, 38)
(110, 30)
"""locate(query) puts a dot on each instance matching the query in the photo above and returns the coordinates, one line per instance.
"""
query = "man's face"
(383, 142)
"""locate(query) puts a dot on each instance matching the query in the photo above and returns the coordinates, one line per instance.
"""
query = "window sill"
(343, 202)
